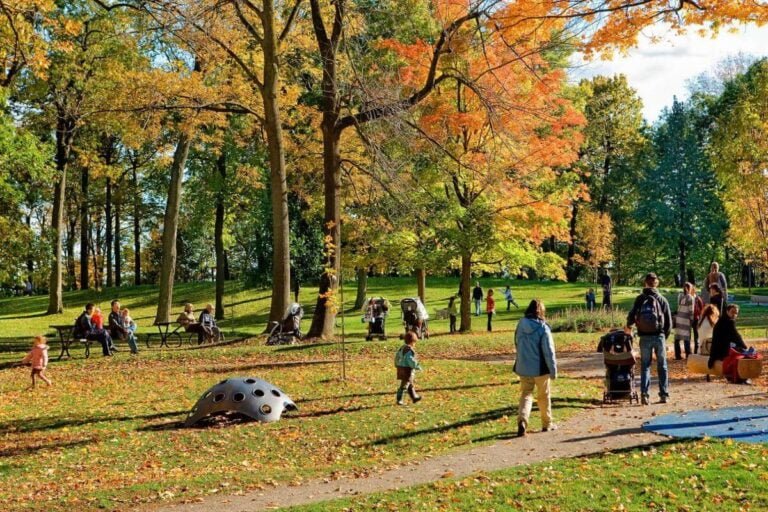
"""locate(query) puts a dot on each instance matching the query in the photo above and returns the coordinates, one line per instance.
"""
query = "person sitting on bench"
(85, 329)
(187, 320)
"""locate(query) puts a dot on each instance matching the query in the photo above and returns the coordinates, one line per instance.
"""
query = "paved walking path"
(595, 430)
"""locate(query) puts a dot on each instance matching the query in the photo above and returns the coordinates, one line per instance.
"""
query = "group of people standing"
(490, 302)
(606, 284)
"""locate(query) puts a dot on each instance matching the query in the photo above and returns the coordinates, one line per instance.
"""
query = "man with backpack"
(652, 316)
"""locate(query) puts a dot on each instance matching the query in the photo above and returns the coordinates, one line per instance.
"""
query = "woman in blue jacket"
(535, 364)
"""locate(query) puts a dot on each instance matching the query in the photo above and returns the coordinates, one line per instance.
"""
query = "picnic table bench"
(66, 333)
(759, 299)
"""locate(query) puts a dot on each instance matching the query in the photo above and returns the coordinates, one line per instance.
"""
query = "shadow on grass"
(17, 451)
(392, 392)
(272, 365)
(42, 424)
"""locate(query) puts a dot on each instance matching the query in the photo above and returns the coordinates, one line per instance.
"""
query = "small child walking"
(510, 298)
(490, 308)
(452, 313)
(406, 365)
(38, 358)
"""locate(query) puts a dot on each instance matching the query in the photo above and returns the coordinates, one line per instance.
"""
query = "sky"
(660, 71)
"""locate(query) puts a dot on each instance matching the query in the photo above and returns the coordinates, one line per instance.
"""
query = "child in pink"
(38, 358)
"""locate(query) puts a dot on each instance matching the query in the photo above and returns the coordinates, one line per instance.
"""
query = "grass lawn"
(687, 476)
(107, 434)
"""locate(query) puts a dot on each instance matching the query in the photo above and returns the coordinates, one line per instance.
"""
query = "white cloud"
(660, 71)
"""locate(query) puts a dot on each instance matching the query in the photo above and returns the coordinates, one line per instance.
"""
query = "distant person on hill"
(590, 299)
(28, 290)
(536, 364)
(607, 284)
(453, 312)
(490, 308)
(38, 359)
(477, 296)
(653, 318)
(406, 364)
(510, 298)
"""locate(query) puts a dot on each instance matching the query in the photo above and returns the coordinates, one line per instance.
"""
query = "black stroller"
(415, 317)
(619, 362)
(288, 331)
(376, 311)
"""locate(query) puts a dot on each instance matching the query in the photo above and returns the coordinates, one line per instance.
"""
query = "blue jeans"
(478, 303)
(648, 345)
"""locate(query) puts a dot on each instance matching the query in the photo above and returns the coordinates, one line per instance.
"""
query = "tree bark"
(323, 320)
(30, 261)
(466, 289)
(170, 229)
(136, 229)
(84, 230)
(64, 137)
(421, 282)
(683, 263)
(108, 235)
(70, 245)
(362, 286)
(571, 270)
(281, 257)
(218, 235)
(118, 255)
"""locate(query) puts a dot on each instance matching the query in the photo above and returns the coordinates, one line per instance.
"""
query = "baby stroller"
(376, 311)
(619, 362)
(288, 331)
(415, 317)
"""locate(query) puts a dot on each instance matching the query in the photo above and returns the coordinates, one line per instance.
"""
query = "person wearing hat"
(653, 319)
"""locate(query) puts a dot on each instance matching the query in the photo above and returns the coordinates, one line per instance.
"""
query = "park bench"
(759, 299)
(441, 314)
(67, 338)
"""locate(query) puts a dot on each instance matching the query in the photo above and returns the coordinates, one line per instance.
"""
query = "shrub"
(581, 320)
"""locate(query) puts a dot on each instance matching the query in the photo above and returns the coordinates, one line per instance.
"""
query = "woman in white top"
(709, 317)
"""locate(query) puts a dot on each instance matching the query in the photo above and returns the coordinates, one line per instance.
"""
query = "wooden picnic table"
(165, 332)
(65, 337)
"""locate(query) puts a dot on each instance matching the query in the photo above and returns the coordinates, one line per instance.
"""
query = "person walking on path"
(406, 365)
(683, 321)
(510, 298)
(38, 359)
(718, 278)
(535, 364)
(477, 296)
(490, 308)
(453, 312)
(651, 314)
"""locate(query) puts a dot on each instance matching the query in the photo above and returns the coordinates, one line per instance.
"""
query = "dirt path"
(595, 430)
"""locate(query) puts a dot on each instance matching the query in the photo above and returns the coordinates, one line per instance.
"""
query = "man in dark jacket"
(85, 329)
(653, 318)
(477, 297)
(116, 329)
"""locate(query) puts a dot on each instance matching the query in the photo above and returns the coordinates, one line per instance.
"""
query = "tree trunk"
(218, 234)
(64, 137)
(98, 268)
(30, 261)
(118, 255)
(281, 256)
(136, 229)
(571, 269)
(466, 295)
(170, 229)
(421, 282)
(84, 230)
(362, 286)
(108, 214)
(323, 320)
(70, 245)
(683, 257)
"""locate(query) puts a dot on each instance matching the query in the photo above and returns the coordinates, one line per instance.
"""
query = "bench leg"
(87, 350)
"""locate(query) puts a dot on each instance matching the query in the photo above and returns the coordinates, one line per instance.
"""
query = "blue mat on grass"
(748, 424)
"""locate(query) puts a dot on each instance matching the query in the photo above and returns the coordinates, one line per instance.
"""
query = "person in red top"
(490, 307)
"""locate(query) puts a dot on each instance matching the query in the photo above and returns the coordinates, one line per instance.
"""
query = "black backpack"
(648, 317)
